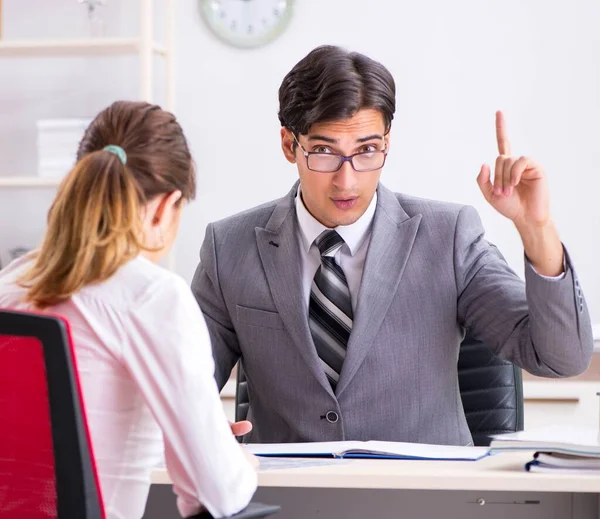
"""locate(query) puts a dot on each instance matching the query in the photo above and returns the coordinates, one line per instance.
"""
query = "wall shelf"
(27, 182)
(76, 47)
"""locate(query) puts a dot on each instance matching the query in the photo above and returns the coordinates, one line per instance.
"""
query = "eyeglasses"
(331, 162)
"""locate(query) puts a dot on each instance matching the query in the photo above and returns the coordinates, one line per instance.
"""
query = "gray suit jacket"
(429, 274)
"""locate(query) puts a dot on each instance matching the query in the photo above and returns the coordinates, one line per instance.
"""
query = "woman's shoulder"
(11, 292)
(137, 282)
(16, 268)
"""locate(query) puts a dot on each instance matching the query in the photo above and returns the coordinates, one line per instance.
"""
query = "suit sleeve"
(207, 291)
(542, 325)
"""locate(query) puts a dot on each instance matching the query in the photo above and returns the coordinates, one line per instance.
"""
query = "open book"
(560, 439)
(369, 449)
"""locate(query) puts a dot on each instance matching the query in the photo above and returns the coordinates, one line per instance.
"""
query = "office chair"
(491, 390)
(47, 466)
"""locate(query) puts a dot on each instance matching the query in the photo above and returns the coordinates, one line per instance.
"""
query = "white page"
(275, 463)
(321, 448)
(423, 450)
(578, 436)
(568, 461)
(418, 450)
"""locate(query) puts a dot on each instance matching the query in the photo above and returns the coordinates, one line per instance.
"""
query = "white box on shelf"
(57, 142)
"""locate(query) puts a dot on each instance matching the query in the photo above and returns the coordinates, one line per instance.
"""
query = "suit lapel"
(280, 255)
(392, 238)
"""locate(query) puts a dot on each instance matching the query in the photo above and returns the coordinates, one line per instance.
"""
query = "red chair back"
(47, 467)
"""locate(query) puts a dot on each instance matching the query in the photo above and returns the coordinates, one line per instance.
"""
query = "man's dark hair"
(331, 83)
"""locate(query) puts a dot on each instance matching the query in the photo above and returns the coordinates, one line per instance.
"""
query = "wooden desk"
(493, 487)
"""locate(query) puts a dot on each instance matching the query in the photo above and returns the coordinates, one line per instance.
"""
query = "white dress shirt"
(350, 257)
(146, 369)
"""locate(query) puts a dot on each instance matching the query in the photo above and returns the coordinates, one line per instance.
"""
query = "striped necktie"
(330, 308)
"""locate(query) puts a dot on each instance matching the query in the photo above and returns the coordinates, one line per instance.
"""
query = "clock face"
(247, 23)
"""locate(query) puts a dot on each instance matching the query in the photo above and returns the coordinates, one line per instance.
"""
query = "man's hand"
(241, 428)
(520, 192)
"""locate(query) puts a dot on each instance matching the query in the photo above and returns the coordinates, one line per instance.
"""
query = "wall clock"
(247, 23)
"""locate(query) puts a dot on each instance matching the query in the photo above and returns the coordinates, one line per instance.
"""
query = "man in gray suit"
(347, 303)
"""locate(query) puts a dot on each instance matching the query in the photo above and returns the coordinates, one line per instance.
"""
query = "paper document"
(275, 463)
(569, 440)
(369, 449)
(567, 461)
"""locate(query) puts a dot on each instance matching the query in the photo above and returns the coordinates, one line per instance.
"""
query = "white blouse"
(146, 369)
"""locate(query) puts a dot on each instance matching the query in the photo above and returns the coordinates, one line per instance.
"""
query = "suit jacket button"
(332, 417)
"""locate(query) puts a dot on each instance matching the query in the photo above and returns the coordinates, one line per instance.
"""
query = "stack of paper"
(563, 463)
(369, 449)
(558, 449)
(57, 143)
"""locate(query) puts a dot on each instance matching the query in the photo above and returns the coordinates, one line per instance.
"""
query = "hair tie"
(118, 151)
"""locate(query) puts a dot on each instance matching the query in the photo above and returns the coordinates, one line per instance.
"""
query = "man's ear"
(287, 145)
(165, 207)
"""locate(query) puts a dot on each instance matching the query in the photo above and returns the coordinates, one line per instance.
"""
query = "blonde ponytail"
(94, 228)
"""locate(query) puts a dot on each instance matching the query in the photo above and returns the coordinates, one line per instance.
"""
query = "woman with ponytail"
(142, 347)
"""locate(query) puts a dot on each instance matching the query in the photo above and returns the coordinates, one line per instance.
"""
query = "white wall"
(455, 63)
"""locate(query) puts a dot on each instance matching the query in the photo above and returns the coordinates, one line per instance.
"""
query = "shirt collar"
(353, 235)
